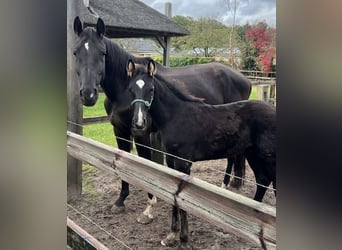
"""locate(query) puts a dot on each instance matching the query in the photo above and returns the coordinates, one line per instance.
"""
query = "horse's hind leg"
(261, 190)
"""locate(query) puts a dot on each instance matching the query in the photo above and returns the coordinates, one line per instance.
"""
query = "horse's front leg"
(177, 213)
(171, 238)
(184, 239)
(125, 145)
(228, 173)
(239, 171)
(146, 216)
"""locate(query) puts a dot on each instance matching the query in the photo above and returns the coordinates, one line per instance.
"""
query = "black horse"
(196, 131)
(99, 61)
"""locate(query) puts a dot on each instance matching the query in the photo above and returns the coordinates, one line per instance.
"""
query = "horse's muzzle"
(88, 96)
(138, 132)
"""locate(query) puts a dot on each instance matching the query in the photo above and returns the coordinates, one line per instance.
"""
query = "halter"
(146, 103)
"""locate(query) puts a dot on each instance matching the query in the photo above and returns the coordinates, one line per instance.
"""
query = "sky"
(251, 11)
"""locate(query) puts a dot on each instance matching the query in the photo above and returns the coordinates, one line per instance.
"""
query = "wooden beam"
(94, 120)
(233, 212)
(263, 83)
(78, 238)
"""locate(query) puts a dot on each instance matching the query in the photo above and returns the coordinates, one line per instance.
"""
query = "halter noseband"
(146, 103)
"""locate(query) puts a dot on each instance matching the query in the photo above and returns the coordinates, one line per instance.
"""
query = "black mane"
(178, 88)
(117, 64)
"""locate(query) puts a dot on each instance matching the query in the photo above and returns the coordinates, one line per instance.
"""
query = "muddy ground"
(123, 232)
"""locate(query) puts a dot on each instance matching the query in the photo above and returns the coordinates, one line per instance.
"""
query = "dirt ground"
(123, 232)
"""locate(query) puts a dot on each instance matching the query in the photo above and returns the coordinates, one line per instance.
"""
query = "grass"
(254, 93)
(102, 132)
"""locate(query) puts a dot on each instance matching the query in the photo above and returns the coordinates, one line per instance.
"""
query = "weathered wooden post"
(165, 42)
(166, 54)
(272, 94)
(75, 112)
(263, 92)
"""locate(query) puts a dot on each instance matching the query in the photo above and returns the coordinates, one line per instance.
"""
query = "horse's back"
(215, 82)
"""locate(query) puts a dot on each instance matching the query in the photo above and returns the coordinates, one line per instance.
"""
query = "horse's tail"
(239, 171)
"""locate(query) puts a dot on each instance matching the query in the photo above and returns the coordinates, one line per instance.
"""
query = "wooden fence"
(232, 212)
(78, 238)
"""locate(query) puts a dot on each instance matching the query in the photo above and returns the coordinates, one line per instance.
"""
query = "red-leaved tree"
(263, 40)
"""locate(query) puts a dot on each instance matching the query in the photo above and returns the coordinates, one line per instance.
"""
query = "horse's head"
(141, 87)
(90, 51)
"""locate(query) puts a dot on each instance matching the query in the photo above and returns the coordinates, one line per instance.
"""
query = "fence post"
(263, 92)
(272, 94)
(75, 112)
(167, 39)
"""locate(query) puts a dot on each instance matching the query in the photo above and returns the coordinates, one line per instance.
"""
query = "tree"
(206, 33)
(180, 43)
(263, 40)
(231, 6)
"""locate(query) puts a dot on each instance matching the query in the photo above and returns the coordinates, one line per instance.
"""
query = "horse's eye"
(74, 53)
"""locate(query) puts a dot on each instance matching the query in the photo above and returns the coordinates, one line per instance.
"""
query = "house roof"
(131, 18)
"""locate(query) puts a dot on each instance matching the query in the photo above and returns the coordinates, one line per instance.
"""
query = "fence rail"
(78, 238)
(232, 212)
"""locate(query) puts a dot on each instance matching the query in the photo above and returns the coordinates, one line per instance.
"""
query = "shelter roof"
(131, 18)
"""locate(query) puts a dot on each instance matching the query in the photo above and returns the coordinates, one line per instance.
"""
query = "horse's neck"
(166, 106)
(116, 80)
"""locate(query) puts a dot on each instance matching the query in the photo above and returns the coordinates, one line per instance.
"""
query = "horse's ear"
(78, 28)
(100, 27)
(130, 67)
(151, 68)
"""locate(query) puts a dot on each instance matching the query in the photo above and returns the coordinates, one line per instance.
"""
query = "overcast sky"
(250, 11)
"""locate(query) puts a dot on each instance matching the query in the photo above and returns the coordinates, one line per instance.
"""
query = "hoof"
(144, 219)
(235, 183)
(117, 209)
(224, 186)
(170, 240)
(185, 246)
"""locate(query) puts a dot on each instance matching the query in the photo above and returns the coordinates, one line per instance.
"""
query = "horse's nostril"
(139, 126)
(81, 92)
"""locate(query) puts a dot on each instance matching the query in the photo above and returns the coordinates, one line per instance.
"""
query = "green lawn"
(254, 94)
(97, 110)
(102, 132)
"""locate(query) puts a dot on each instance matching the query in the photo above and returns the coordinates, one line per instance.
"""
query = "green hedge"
(183, 61)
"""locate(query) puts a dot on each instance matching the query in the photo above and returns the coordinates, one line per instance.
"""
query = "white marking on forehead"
(140, 83)
(86, 45)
